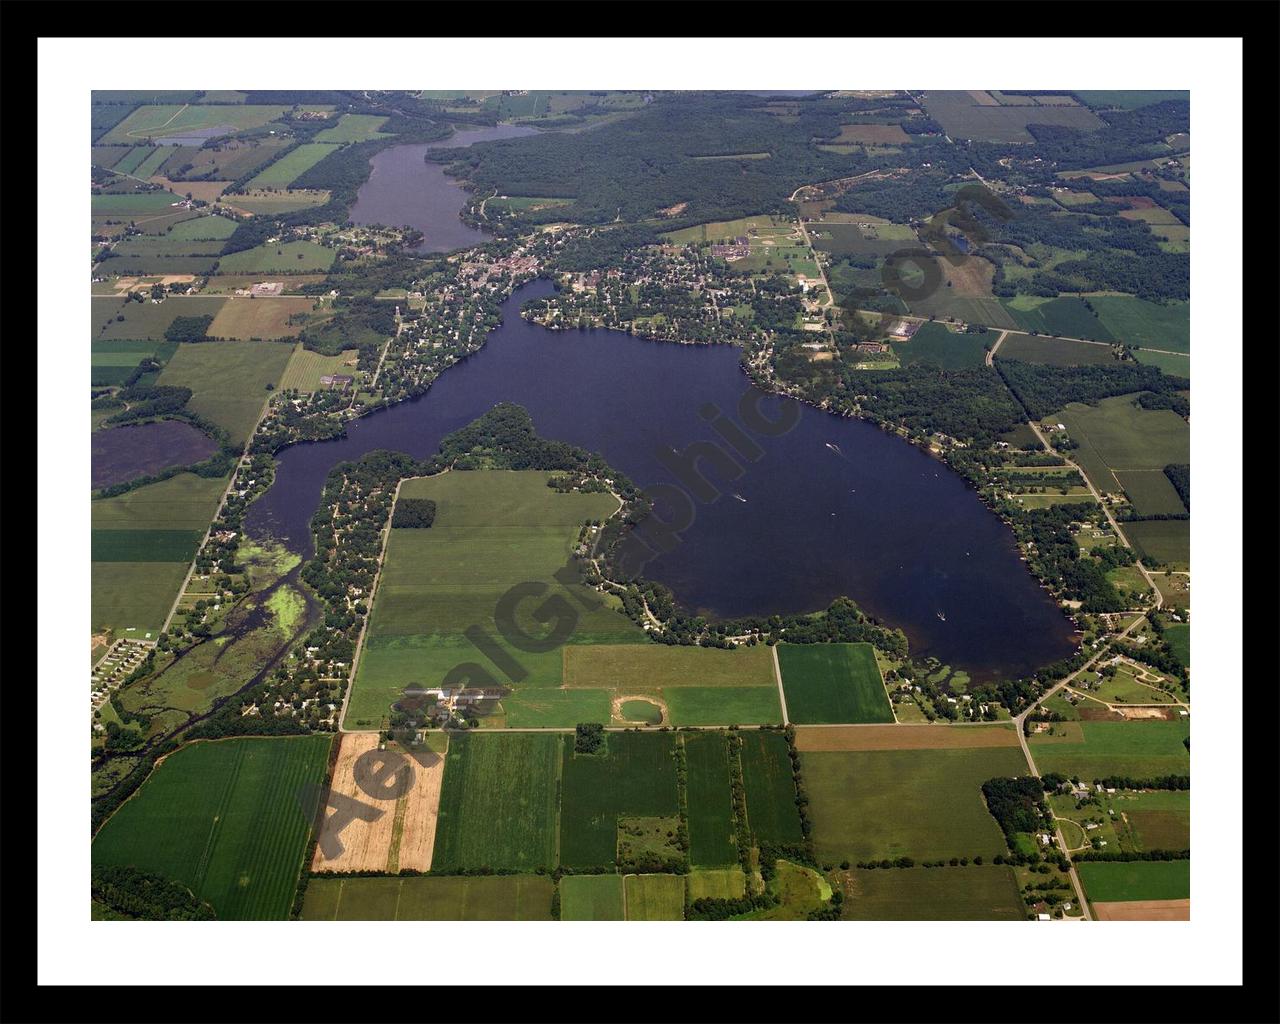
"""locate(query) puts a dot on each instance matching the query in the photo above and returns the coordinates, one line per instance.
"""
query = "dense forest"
(649, 162)
(1044, 389)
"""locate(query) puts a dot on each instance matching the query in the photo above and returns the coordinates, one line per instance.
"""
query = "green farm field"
(282, 258)
(1166, 541)
(924, 804)
(228, 380)
(170, 119)
(654, 897)
(710, 805)
(699, 685)
(1150, 492)
(130, 205)
(634, 777)
(1148, 324)
(354, 128)
(987, 892)
(1174, 366)
(144, 320)
(430, 898)
(278, 200)
(1115, 882)
(498, 804)
(1095, 750)
(1068, 317)
(1054, 351)
(306, 368)
(833, 683)
(203, 227)
(137, 595)
(1118, 434)
(591, 898)
(771, 793)
(223, 819)
(937, 346)
(493, 529)
(282, 172)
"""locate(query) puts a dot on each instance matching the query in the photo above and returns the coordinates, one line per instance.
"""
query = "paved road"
(991, 352)
(1159, 598)
(1020, 723)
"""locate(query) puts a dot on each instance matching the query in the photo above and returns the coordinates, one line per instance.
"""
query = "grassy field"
(228, 380)
(306, 368)
(1167, 541)
(722, 231)
(493, 529)
(1095, 750)
(699, 685)
(430, 898)
(716, 884)
(204, 227)
(826, 683)
(130, 205)
(1148, 324)
(591, 898)
(710, 805)
(634, 777)
(924, 804)
(354, 128)
(283, 257)
(278, 201)
(1054, 351)
(981, 893)
(655, 897)
(937, 346)
(962, 117)
(223, 818)
(724, 705)
(771, 794)
(143, 320)
(498, 807)
(1107, 882)
(242, 319)
(1173, 366)
(1179, 638)
(1118, 434)
(282, 173)
(164, 120)
(133, 598)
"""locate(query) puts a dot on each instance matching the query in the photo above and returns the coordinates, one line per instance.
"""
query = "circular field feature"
(642, 711)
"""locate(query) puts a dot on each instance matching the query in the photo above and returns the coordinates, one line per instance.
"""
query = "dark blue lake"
(834, 506)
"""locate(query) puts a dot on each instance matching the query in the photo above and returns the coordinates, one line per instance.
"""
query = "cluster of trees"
(1055, 557)
(130, 894)
(1017, 804)
(588, 738)
(1160, 782)
(1180, 477)
(414, 514)
(707, 908)
(188, 328)
(1043, 389)
(1130, 855)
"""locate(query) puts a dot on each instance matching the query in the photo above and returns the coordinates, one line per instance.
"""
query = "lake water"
(403, 189)
(872, 517)
(125, 453)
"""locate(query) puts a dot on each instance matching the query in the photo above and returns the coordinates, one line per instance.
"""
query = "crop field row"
(223, 818)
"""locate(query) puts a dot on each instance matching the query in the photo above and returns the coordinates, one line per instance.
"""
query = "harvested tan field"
(404, 834)
(420, 809)
(903, 737)
(205, 191)
(1161, 713)
(264, 317)
(1144, 910)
